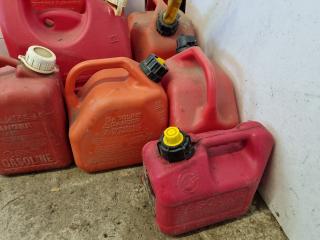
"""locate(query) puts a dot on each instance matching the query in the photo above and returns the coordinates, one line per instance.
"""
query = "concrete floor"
(73, 205)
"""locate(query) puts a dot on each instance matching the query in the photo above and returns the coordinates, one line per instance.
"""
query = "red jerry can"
(33, 124)
(157, 31)
(74, 37)
(75, 5)
(206, 178)
(150, 5)
(118, 110)
(201, 95)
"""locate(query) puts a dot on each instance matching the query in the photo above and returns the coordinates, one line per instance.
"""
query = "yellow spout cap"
(170, 16)
(172, 137)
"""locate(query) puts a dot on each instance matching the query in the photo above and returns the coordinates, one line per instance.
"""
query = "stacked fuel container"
(33, 121)
(157, 31)
(109, 92)
(119, 109)
(99, 31)
(206, 167)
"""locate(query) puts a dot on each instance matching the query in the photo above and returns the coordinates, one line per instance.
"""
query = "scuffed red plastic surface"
(33, 124)
(216, 184)
(145, 38)
(75, 5)
(73, 37)
(114, 114)
(201, 95)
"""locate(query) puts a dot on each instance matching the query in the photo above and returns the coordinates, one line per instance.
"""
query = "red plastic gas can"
(75, 5)
(201, 95)
(157, 31)
(205, 178)
(74, 37)
(33, 125)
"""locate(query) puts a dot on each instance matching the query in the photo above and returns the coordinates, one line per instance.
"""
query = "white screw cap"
(120, 4)
(39, 59)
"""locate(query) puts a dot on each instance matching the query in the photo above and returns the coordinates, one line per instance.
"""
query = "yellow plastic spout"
(172, 137)
(170, 15)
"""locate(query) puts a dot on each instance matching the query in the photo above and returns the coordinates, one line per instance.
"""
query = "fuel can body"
(114, 114)
(72, 36)
(145, 39)
(33, 123)
(201, 95)
(215, 183)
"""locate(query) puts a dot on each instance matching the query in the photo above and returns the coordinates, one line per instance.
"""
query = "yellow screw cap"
(172, 137)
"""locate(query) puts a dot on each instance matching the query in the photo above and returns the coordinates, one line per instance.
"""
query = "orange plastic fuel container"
(157, 31)
(116, 112)
(33, 126)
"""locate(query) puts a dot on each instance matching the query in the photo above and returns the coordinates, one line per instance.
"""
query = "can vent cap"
(175, 145)
(166, 29)
(154, 67)
(39, 59)
(185, 41)
(172, 137)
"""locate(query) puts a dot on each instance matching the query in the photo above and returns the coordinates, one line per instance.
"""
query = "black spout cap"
(186, 41)
(154, 68)
(166, 29)
(179, 148)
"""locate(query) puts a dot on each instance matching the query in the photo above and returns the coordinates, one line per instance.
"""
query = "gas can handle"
(225, 138)
(97, 65)
(8, 61)
(255, 135)
(57, 16)
(63, 19)
(203, 62)
(27, 7)
(251, 132)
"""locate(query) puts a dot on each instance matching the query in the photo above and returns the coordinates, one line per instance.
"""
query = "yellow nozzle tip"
(161, 61)
(172, 137)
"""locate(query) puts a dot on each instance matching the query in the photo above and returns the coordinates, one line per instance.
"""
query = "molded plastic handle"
(225, 138)
(251, 132)
(203, 62)
(23, 9)
(96, 65)
(8, 61)
(254, 157)
(61, 19)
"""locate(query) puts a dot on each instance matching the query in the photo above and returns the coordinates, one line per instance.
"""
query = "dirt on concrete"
(73, 205)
